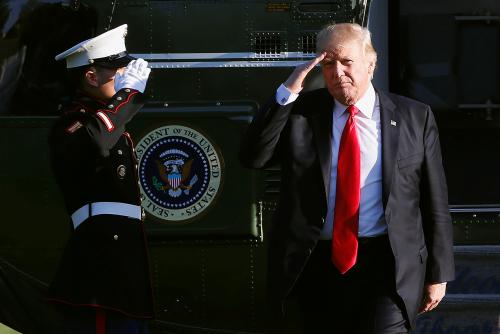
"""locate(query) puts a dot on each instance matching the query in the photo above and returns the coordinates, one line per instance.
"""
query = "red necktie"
(346, 215)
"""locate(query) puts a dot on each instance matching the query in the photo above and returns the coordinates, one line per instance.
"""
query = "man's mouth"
(343, 84)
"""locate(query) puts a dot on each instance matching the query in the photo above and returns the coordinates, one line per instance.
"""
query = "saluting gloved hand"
(134, 76)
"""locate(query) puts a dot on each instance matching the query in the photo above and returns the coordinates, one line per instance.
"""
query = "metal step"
(462, 313)
(477, 270)
(472, 303)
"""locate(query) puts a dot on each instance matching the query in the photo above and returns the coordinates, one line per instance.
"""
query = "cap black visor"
(114, 61)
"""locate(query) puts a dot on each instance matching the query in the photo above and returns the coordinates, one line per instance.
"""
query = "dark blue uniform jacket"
(105, 263)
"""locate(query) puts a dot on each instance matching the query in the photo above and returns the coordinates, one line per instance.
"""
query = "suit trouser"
(362, 301)
(97, 321)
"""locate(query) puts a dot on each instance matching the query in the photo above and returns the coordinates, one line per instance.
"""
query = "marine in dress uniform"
(103, 282)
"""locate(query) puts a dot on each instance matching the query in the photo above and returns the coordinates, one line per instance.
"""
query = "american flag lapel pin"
(393, 123)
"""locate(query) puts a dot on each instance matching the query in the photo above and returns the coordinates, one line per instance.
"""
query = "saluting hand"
(295, 81)
(433, 294)
(135, 76)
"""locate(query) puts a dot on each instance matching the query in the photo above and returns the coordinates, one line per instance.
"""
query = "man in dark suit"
(362, 235)
(103, 283)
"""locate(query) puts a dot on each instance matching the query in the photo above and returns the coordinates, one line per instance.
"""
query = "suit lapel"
(390, 124)
(321, 124)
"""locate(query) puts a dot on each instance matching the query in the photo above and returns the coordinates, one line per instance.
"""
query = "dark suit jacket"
(415, 199)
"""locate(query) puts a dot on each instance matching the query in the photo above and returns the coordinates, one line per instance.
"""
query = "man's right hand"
(135, 76)
(295, 81)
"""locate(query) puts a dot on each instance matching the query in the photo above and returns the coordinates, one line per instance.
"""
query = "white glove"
(134, 76)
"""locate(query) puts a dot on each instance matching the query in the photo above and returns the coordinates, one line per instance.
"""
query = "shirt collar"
(365, 104)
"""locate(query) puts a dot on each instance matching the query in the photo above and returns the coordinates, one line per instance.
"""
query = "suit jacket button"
(115, 237)
(322, 221)
(309, 251)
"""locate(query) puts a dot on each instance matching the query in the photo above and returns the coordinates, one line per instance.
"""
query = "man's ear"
(371, 68)
(371, 65)
(91, 77)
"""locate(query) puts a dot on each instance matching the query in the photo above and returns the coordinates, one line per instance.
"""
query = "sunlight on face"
(347, 70)
(106, 81)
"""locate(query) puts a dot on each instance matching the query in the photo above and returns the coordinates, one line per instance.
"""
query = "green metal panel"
(225, 278)
(34, 222)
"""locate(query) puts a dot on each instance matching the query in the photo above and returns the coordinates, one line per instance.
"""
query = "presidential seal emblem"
(180, 172)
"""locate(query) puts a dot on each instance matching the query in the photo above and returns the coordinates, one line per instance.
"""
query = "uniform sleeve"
(108, 124)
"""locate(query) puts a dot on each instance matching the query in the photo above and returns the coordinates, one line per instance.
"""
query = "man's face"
(347, 70)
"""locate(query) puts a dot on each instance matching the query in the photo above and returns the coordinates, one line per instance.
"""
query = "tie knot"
(352, 110)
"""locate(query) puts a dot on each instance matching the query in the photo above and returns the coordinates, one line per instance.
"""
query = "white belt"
(105, 208)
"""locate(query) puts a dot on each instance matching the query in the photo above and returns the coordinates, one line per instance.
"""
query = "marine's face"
(106, 81)
(347, 70)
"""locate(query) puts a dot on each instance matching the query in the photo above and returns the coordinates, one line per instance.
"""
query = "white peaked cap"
(110, 43)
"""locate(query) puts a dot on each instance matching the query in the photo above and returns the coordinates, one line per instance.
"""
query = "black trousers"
(362, 301)
(79, 320)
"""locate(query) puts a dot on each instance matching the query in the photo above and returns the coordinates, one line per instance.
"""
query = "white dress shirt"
(369, 136)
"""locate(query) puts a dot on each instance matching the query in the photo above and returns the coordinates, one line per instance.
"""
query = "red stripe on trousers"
(100, 321)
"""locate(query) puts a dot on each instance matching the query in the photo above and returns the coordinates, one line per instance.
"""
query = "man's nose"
(338, 70)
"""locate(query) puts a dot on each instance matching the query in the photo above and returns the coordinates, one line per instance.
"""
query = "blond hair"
(346, 32)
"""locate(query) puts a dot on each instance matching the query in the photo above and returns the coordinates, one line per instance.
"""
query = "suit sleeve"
(435, 210)
(108, 124)
(259, 144)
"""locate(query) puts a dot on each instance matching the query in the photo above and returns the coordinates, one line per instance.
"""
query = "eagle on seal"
(175, 174)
